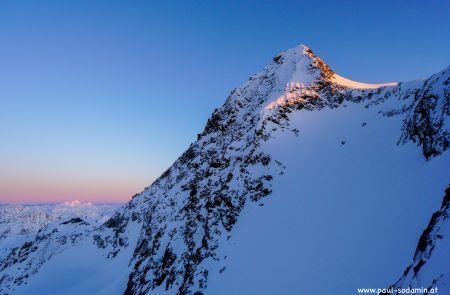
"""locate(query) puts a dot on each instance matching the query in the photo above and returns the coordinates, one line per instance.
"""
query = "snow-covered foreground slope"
(21, 223)
(299, 184)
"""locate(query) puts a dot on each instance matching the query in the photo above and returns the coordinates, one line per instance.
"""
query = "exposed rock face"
(427, 115)
(52, 239)
(191, 210)
(430, 267)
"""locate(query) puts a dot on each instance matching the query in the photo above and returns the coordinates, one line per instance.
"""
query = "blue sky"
(99, 97)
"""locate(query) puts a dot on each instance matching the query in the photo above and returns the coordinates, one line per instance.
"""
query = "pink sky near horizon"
(48, 189)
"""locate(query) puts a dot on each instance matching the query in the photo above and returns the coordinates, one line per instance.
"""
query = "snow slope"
(298, 184)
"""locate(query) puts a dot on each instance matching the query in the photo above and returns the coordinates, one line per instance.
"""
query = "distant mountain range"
(21, 223)
(303, 182)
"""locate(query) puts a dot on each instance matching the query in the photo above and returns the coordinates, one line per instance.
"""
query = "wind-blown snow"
(353, 84)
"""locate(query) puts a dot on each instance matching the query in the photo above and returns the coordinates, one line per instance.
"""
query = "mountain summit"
(302, 182)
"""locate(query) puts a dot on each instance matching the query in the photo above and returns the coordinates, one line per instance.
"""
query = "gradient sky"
(97, 98)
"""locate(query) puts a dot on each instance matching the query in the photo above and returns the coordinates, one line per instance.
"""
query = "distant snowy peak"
(76, 203)
(47, 212)
(95, 214)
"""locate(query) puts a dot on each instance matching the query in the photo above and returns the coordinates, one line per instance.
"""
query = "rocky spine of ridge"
(427, 115)
(430, 239)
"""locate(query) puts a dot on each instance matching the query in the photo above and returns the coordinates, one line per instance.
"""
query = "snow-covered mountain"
(303, 182)
(21, 223)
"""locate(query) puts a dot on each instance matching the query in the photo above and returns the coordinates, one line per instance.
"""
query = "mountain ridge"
(171, 235)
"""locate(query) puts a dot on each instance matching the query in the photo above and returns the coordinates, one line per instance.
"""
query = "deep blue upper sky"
(99, 97)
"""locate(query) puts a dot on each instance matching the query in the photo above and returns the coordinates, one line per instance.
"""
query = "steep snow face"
(346, 214)
(20, 223)
(294, 184)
